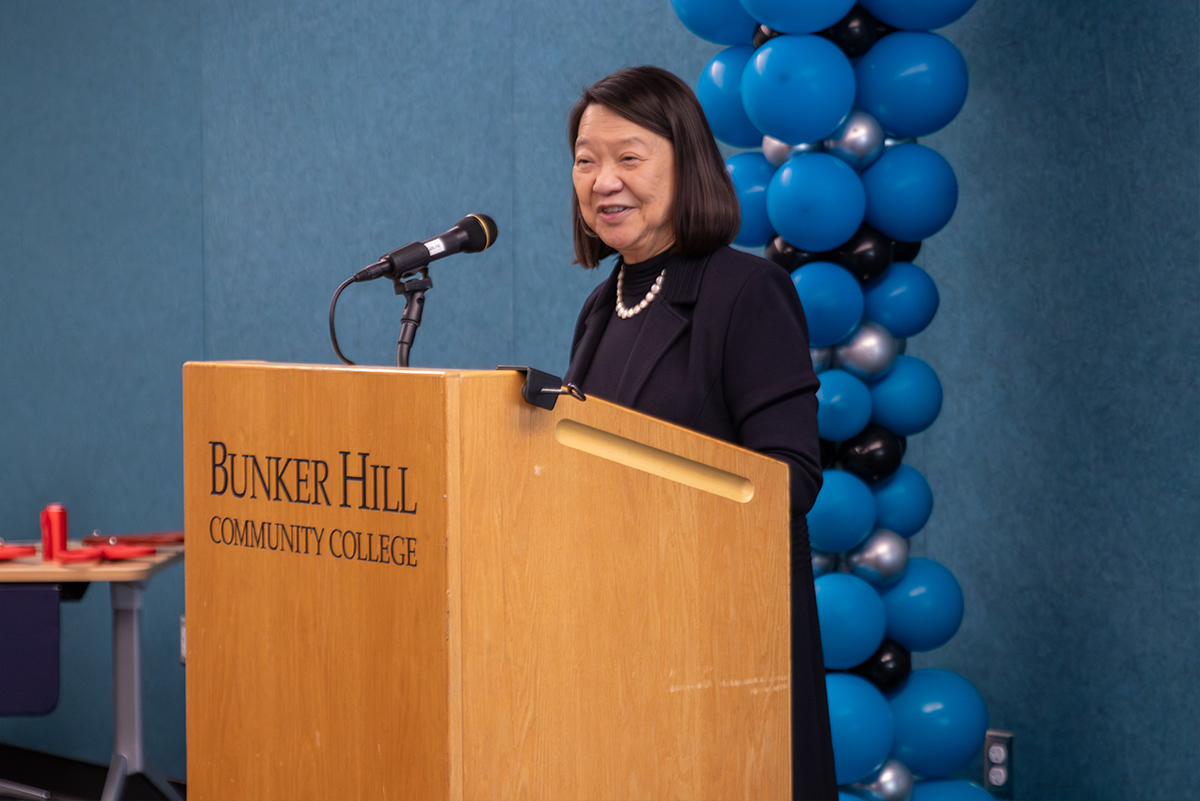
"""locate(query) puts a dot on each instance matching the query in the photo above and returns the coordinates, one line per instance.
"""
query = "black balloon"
(867, 254)
(763, 34)
(873, 454)
(905, 251)
(887, 667)
(855, 32)
(829, 452)
(780, 252)
(883, 29)
(790, 257)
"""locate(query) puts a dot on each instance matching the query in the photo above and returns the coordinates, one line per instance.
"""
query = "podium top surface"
(348, 368)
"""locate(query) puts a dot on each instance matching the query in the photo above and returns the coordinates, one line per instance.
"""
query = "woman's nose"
(607, 180)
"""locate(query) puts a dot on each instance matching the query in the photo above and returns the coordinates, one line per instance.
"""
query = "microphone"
(471, 234)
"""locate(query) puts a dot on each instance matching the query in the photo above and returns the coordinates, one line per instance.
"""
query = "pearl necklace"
(625, 313)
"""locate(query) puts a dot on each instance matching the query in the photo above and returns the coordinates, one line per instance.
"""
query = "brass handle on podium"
(651, 460)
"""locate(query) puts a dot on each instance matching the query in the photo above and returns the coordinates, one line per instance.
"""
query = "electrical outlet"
(998, 763)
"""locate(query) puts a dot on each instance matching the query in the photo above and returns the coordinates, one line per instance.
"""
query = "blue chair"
(29, 658)
(29, 636)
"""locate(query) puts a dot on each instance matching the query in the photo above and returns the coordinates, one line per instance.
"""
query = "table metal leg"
(14, 790)
(127, 687)
(128, 757)
(114, 785)
(127, 673)
(163, 786)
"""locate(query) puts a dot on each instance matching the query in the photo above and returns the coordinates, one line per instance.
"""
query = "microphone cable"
(332, 329)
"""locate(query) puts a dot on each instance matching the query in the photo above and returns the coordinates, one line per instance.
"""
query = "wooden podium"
(413, 584)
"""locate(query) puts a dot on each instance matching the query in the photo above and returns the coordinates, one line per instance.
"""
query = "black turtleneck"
(612, 354)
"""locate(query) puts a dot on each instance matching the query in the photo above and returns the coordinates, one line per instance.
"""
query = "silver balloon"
(868, 353)
(881, 558)
(778, 151)
(892, 141)
(823, 563)
(892, 782)
(822, 358)
(858, 141)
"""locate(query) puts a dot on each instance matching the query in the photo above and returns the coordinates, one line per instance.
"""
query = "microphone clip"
(417, 280)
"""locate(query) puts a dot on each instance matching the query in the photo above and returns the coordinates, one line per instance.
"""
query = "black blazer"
(723, 350)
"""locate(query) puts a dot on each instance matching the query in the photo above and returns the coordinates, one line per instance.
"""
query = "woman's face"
(624, 178)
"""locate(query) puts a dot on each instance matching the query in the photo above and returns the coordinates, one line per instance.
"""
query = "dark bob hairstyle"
(706, 209)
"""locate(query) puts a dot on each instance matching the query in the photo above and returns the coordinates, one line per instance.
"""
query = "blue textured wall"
(1064, 465)
(192, 180)
(101, 263)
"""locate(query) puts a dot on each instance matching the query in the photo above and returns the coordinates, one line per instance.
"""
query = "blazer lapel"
(594, 325)
(666, 321)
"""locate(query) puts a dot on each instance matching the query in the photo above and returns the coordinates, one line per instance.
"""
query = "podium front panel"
(625, 611)
(316, 583)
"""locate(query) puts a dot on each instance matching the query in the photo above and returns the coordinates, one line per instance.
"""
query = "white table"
(127, 580)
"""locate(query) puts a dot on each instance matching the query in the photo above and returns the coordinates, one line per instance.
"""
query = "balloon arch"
(834, 96)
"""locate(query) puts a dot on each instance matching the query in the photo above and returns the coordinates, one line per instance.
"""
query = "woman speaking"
(694, 332)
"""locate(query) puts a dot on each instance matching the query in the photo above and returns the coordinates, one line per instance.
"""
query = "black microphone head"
(480, 230)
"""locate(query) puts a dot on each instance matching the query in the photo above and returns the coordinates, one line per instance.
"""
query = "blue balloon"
(798, 88)
(911, 192)
(816, 201)
(843, 514)
(913, 83)
(797, 16)
(903, 300)
(903, 501)
(719, 90)
(832, 301)
(720, 21)
(750, 173)
(844, 796)
(940, 722)
(918, 15)
(860, 722)
(907, 400)
(851, 619)
(843, 406)
(946, 790)
(924, 607)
